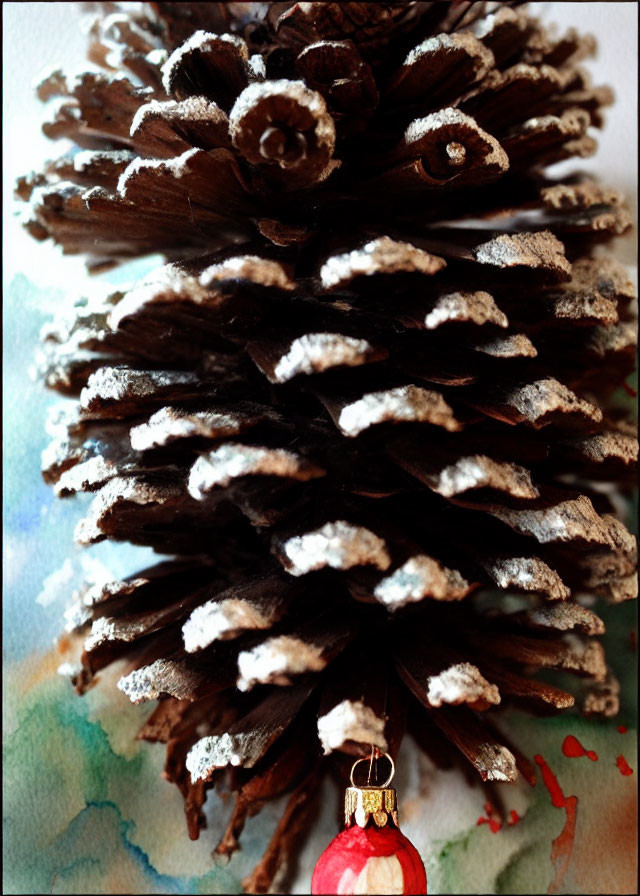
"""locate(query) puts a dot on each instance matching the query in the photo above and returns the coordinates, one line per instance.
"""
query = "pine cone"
(371, 395)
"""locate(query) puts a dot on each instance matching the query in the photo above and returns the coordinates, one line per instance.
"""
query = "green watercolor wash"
(70, 807)
(442, 865)
(472, 862)
(527, 871)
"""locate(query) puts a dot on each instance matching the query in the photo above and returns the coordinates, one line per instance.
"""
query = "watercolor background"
(85, 809)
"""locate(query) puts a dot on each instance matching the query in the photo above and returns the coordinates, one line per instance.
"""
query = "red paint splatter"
(622, 729)
(563, 844)
(623, 765)
(550, 782)
(572, 748)
(493, 823)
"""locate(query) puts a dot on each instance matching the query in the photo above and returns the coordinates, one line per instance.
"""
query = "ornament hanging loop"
(375, 755)
(371, 801)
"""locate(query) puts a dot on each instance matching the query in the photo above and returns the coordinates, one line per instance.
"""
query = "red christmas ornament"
(371, 855)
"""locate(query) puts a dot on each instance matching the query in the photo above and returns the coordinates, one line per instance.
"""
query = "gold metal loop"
(369, 759)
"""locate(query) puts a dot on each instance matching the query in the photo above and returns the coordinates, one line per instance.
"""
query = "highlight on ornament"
(369, 409)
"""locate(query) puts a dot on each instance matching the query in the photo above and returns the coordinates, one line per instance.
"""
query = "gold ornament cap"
(363, 802)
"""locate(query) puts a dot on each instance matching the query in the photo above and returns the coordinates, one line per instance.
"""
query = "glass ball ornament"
(371, 855)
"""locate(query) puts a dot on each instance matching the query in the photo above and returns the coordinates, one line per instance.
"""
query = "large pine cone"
(355, 414)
